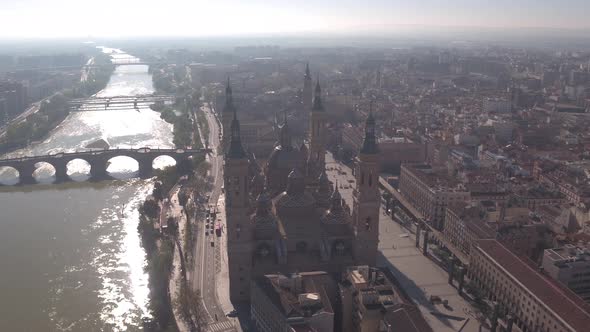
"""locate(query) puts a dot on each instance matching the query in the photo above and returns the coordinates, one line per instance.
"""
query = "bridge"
(131, 61)
(118, 102)
(98, 160)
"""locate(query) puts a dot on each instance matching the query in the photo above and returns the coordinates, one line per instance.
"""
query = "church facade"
(287, 216)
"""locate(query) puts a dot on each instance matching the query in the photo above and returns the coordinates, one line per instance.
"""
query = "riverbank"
(183, 114)
(166, 235)
(87, 270)
(53, 111)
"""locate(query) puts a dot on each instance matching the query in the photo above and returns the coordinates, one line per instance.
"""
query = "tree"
(151, 208)
(183, 198)
(157, 191)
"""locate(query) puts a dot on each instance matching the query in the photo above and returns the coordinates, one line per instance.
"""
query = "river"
(70, 254)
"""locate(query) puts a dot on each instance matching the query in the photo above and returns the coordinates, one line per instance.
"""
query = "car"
(206, 233)
(233, 313)
(212, 244)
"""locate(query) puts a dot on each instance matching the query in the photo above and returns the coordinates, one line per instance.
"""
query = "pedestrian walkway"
(222, 278)
(176, 275)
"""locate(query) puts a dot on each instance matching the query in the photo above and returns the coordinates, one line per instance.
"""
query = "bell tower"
(307, 90)
(317, 136)
(366, 200)
(227, 115)
(239, 226)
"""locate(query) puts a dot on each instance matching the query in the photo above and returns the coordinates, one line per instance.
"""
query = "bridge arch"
(163, 161)
(9, 176)
(122, 167)
(44, 172)
(78, 169)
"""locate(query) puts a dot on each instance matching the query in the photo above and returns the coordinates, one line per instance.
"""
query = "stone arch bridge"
(98, 160)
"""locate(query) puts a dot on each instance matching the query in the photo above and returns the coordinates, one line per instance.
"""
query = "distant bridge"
(118, 102)
(131, 61)
(98, 160)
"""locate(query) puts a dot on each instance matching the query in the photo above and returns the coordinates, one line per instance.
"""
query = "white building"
(570, 265)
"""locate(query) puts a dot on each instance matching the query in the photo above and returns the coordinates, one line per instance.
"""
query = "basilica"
(286, 216)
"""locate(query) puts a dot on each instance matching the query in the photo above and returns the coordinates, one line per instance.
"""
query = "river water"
(70, 254)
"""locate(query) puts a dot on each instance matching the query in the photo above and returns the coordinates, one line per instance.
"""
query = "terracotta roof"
(569, 307)
(287, 301)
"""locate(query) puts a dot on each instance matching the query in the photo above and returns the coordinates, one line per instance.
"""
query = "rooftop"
(301, 294)
(436, 179)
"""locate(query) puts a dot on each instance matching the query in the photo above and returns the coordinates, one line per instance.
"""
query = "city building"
(371, 302)
(537, 196)
(569, 265)
(431, 190)
(15, 96)
(297, 302)
(536, 302)
(496, 105)
(299, 222)
(464, 225)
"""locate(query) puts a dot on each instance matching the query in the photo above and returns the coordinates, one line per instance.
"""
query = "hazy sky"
(111, 18)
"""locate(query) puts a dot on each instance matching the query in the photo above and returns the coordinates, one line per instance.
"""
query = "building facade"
(537, 303)
(570, 265)
(371, 302)
(298, 302)
(464, 225)
(430, 191)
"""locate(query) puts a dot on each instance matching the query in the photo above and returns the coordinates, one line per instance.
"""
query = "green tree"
(151, 208)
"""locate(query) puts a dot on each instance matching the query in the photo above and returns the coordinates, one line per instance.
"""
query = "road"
(34, 108)
(207, 256)
(419, 276)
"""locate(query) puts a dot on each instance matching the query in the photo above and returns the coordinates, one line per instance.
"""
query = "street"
(208, 249)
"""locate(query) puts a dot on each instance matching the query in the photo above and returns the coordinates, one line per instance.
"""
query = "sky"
(128, 18)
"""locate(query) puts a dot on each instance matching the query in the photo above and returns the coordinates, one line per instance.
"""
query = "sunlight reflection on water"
(101, 283)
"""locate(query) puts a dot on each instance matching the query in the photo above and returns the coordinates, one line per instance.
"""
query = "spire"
(317, 100)
(229, 100)
(228, 91)
(307, 73)
(336, 199)
(285, 139)
(236, 150)
(370, 141)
